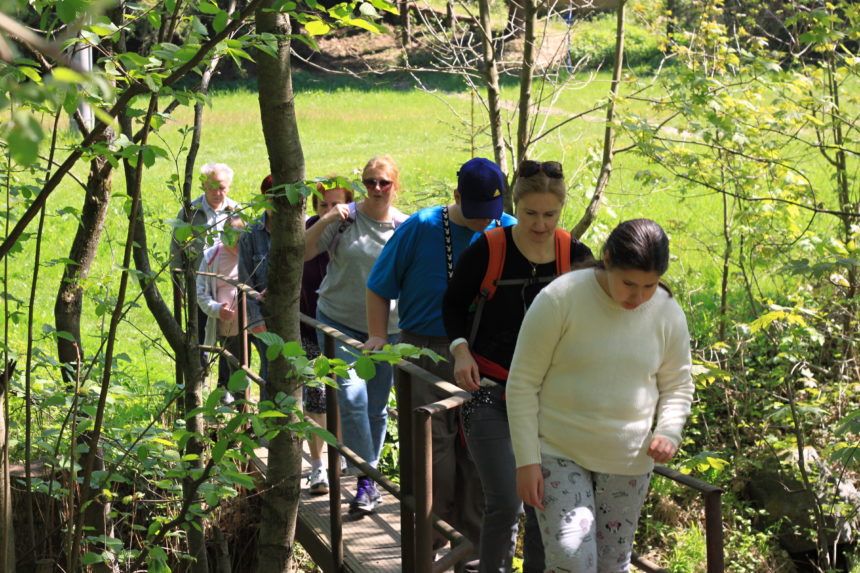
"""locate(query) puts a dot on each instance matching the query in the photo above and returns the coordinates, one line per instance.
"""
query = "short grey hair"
(211, 168)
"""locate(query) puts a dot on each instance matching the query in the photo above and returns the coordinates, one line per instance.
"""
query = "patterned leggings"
(589, 518)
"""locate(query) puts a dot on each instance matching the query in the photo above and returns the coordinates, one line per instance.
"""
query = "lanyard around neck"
(449, 247)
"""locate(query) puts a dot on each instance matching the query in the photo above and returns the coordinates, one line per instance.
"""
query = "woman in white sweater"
(601, 352)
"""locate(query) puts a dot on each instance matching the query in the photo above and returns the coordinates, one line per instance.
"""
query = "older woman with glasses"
(495, 281)
(353, 235)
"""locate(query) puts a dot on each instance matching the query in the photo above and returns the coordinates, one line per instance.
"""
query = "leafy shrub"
(593, 43)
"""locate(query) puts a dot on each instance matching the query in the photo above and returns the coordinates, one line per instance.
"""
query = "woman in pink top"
(218, 298)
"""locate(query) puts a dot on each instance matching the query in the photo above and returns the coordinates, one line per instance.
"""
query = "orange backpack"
(498, 244)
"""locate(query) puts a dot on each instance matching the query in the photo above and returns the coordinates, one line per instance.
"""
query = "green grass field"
(343, 122)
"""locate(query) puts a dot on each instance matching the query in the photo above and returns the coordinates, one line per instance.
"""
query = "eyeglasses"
(371, 183)
(551, 169)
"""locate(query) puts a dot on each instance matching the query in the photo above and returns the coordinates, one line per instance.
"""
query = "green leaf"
(269, 338)
(70, 101)
(849, 424)
(68, 76)
(152, 83)
(24, 138)
(103, 27)
(219, 448)
(91, 558)
(365, 367)
(271, 414)
(31, 73)
(317, 28)
(385, 5)
(214, 398)
(220, 21)
(324, 434)
(198, 27)
(321, 366)
(209, 8)
(293, 349)
(273, 351)
(238, 381)
(244, 480)
(69, 10)
(364, 24)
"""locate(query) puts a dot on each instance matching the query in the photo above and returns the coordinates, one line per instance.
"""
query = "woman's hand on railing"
(374, 343)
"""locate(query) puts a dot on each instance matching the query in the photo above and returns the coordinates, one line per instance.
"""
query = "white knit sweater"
(588, 377)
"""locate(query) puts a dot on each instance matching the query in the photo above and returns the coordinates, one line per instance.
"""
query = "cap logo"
(497, 193)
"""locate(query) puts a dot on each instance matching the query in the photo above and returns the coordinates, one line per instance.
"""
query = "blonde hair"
(539, 183)
(387, 163)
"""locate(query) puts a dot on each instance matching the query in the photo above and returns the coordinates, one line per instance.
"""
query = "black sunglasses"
(551, 169)
(370, 183)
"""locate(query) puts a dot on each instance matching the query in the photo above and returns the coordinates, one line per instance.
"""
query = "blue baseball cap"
(482, 189)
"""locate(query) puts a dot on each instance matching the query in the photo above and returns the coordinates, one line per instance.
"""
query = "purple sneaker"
(366, 497)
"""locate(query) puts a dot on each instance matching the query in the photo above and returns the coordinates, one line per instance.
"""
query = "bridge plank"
(370, 543)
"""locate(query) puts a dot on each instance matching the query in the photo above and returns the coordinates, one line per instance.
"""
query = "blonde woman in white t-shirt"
(599, 390)
(354, 235)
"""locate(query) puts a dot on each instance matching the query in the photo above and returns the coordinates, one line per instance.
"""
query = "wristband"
(455, 343)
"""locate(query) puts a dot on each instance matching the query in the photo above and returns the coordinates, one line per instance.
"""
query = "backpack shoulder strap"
(498, 243)
(562, 251)
(343, 226)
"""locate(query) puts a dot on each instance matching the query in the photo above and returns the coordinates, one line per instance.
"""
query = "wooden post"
(7, 532)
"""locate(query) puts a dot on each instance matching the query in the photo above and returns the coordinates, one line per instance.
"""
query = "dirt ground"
(357, 51)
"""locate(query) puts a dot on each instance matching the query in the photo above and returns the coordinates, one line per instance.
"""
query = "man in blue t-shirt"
(414, 268)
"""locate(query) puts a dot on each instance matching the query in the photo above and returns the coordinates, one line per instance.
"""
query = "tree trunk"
(280, 499)
(69, 303)
(526, 74)
(609, 134)
(491, 77)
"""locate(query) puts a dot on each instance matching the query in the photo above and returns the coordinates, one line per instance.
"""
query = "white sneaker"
(319, 482)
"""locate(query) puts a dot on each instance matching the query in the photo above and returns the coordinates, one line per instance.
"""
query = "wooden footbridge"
(398, 536)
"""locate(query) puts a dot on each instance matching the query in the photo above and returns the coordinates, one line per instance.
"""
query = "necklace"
(543, 252)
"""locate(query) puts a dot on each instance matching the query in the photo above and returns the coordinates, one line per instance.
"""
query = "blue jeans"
(363, 403)
(489, 440)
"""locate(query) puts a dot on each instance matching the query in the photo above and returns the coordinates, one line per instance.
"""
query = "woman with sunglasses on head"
(353, 235)
(603, 351)
(534, 253)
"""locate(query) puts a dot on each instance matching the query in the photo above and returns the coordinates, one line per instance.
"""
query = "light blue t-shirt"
(413, 268)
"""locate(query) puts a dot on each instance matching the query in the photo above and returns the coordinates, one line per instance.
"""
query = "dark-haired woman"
(533, 249)
(602, 352)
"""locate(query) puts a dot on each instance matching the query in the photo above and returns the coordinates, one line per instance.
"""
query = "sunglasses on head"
(551, 169)
(372, 182)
